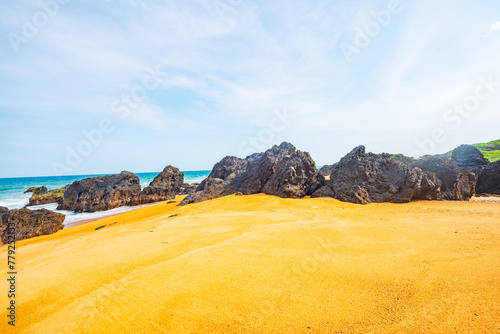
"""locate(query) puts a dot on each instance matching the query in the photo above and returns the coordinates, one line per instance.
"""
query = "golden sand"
(261, 264)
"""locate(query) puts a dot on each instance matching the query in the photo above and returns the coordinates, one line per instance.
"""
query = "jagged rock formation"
(469, 157)
(489, 179)
(363, 178)
(42, 196)
(457, 184)
(101, 193)
(164, 186)
(282, 171)
(28, 224)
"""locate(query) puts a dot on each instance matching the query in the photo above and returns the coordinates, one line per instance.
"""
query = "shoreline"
(132, 208)
(86, 221)
(14, 196)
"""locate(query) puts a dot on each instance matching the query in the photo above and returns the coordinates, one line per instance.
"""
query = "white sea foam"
(14, 203)
(72, 217)
(51, 207)
(195, 180)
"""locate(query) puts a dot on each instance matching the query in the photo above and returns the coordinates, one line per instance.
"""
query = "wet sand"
(261, 264)
(85, 221)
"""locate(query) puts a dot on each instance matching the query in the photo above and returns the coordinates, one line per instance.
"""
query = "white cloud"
(224, 80)
(495, 27)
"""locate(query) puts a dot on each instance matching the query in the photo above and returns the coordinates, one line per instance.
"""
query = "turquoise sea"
(12, 191)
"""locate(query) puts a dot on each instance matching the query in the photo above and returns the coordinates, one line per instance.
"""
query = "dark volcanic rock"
(282, 171)
(28, 223)
(164, 186)
(101, 193)
(457, 184)
(489, 179)
(363, 178)
(42, 196)
(30, 190)
(326, 170)
(469, 157)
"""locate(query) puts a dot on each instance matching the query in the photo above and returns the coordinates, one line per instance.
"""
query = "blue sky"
(210, 78)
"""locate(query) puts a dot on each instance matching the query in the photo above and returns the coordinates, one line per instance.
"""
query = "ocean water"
(12, 191)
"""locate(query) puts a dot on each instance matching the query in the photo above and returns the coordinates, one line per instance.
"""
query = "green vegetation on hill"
(402, 156)
(491, 150)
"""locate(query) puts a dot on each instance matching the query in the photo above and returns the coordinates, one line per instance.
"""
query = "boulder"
(489, 179)
(469, 157)
(164, 187)
(457, 184)
(363, 178)
(28, 223)
(101, 193)
(282, 171)
(42, 196)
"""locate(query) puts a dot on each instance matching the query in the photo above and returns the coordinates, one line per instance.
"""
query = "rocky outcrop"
(42, 196)
(164, 186)
(363, 178)
(101, 193)
(30, 190)
(489, 179)
(282, 171)
(22, 224)
(326, 170)
(457, 184)
(469, 157)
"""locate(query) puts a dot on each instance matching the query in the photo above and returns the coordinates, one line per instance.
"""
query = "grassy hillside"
(490, 150)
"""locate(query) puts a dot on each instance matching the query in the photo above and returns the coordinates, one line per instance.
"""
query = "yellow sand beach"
(262, 264)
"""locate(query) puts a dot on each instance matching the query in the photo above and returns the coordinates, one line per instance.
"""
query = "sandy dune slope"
(261, 264)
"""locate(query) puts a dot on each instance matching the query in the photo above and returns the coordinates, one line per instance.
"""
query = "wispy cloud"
(224, 78)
